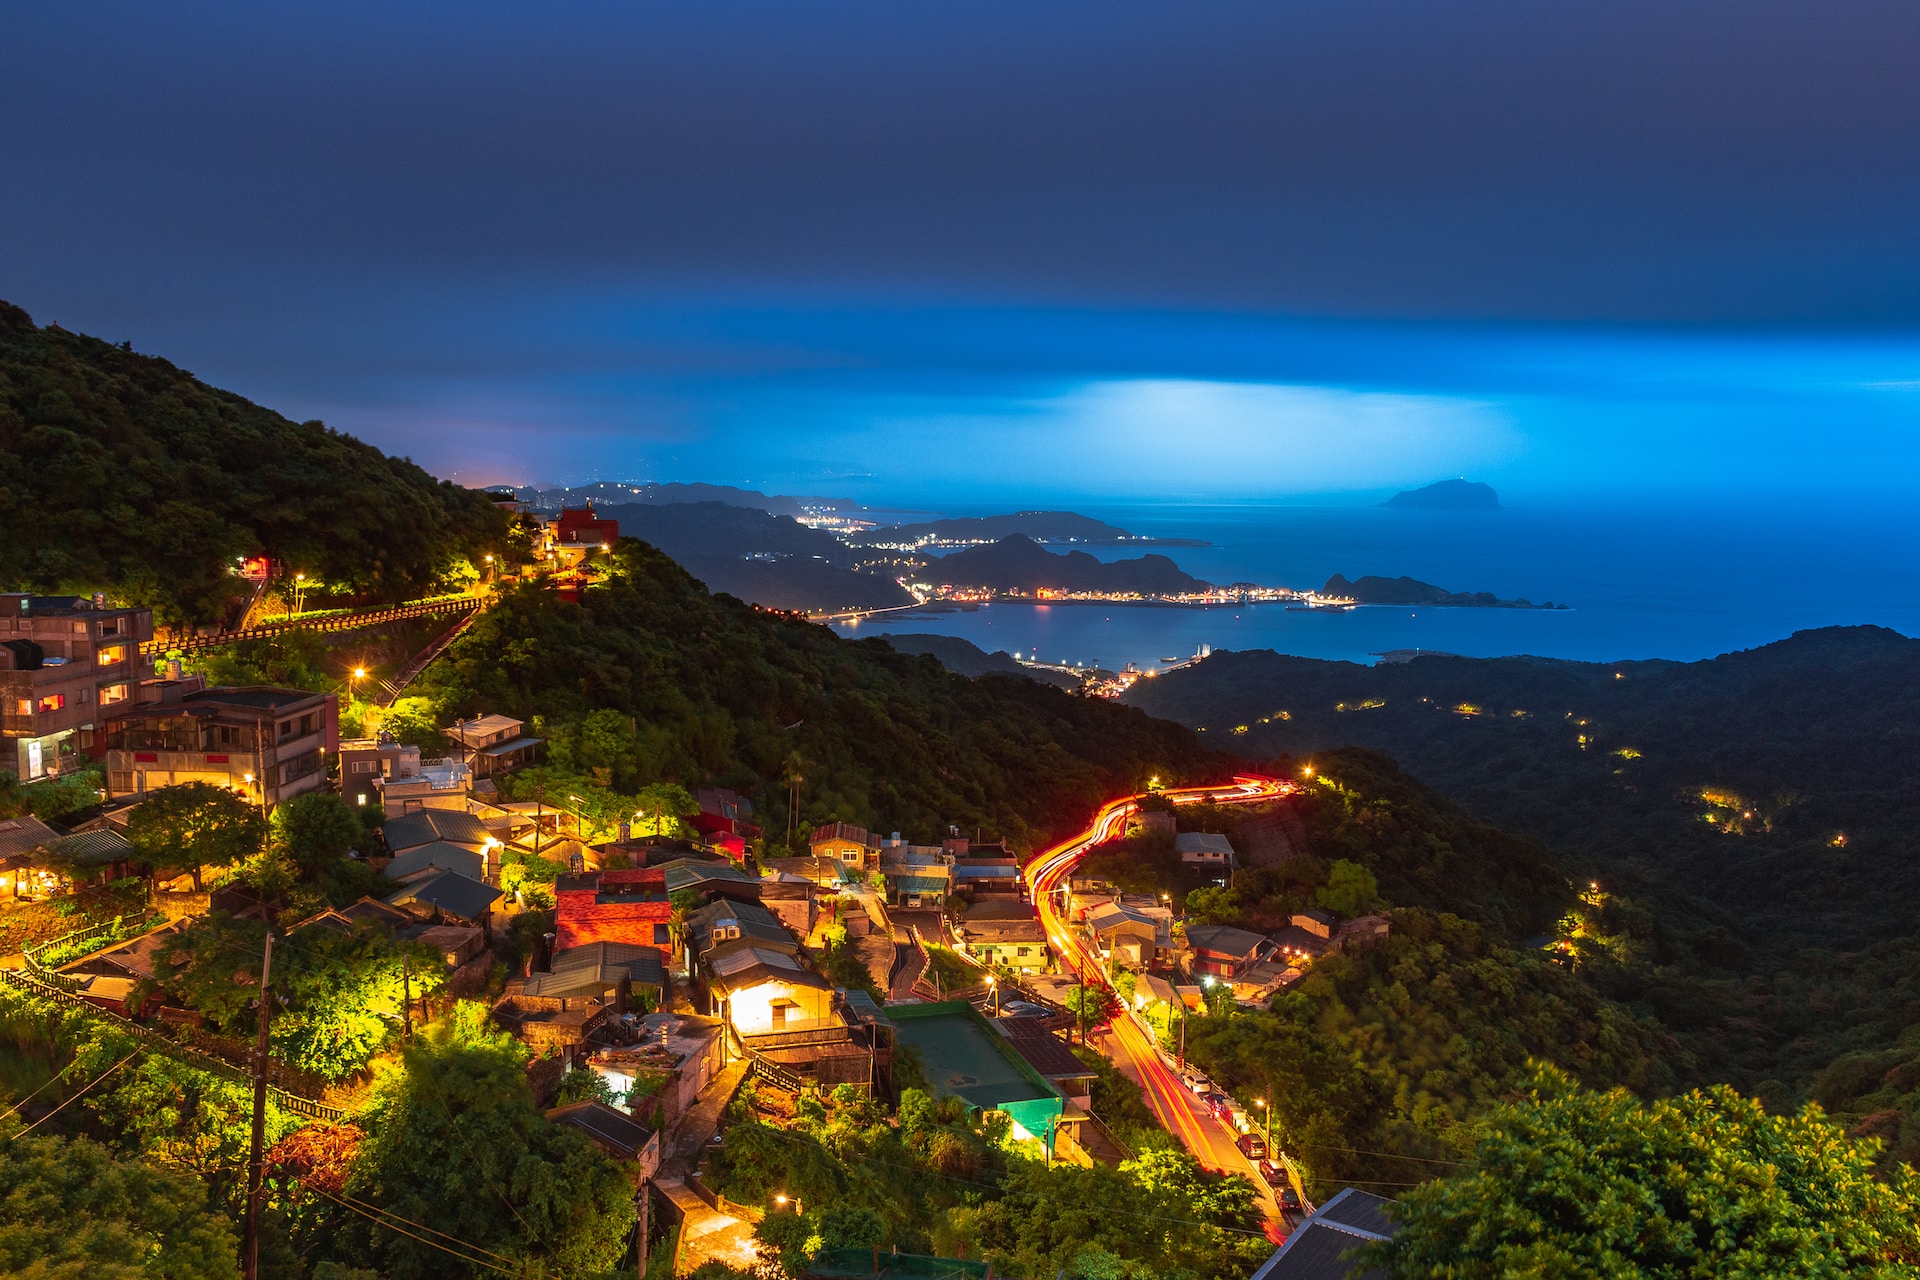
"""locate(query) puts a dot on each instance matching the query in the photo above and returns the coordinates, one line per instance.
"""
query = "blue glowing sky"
(1005, 252)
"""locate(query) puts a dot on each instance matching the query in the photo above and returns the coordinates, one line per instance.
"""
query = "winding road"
(1131, 1044)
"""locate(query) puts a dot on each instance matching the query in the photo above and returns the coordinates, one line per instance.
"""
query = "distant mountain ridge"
(1041, 526)
(963, 657)
(667, 493)
(1018, 563)
(762, 558)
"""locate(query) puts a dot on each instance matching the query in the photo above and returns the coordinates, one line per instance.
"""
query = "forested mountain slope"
(1762, 805)
(708, 688)
(122, 473)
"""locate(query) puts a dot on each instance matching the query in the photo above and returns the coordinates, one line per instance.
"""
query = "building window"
(306, 725)
(112, 693)
(23, 706)
(53, 701)
(110, 627)
(108, 654)
(363, 798)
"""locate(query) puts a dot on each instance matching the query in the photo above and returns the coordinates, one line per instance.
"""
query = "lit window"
(112, 693)
(53, 702)
(108, 654)
(23, 706)
(363, 797)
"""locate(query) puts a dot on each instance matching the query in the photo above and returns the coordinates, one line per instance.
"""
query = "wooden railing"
(34, 955)
(775, 1074)
(345, 620)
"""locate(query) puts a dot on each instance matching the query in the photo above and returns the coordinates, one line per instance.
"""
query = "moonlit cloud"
(1190, 438)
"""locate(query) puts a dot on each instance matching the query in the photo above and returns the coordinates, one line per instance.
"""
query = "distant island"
(1404, 590)
(1018, 563)
(1448, 495)
(1040, 526)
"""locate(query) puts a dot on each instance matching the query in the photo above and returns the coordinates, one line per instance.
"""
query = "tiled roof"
(424, 826)
(1316, 1249)
(607, 1126)
(690, 873)
(1203, 842)
(95, 848)
(24, 834)
(1043, 1050)
(452, 893)
(843, 831)
(1223, 940)
(592, 968)
(440, 854)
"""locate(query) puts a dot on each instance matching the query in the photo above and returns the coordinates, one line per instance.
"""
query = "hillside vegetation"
(649, 678)
(1761, 805)
(125, 474)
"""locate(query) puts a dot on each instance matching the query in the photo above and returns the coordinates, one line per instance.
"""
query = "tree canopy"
(70, 1210)
(191, 825)
(456, 1144)
(1570, 1182)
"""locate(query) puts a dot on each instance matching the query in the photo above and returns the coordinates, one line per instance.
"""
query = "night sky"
(1010, 251)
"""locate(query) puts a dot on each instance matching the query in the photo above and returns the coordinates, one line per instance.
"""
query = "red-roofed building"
(579, 524)
(628, 906)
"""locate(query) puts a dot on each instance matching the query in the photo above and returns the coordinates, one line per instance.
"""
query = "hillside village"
(666, 974)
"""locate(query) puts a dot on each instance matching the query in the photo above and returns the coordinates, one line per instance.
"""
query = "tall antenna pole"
(256, 1162)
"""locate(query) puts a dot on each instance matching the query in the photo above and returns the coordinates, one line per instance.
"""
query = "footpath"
(706, 1233)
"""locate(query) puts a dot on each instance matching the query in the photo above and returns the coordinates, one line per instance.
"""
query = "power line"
(381, 1219)
(374, 1208)
(57, 1110)
(1384, 1155)
(37, 1092)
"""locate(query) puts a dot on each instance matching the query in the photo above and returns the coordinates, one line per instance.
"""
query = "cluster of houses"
(1139, 935)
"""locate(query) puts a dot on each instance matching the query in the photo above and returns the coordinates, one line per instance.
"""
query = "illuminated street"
(1130, 1044)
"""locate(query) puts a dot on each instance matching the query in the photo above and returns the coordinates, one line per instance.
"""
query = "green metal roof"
(965, 1058)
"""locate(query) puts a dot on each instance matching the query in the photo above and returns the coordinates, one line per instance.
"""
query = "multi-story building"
(267, 743)
(64, 662)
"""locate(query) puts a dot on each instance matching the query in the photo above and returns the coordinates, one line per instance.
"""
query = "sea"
(1677, 581)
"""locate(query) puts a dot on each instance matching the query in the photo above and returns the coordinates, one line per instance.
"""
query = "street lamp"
(1262, 1104)
(299, 592)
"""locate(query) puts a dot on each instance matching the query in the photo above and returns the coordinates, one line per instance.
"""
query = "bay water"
(1652, 581)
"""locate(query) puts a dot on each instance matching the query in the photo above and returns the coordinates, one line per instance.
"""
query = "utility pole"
(646, 1207)
(250, 1258)
(406, 995)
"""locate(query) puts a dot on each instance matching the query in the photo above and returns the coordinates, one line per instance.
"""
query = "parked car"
(1024, 1009)
(1198, 1082)
(1289, 1198)
(1217, 1103)
(1270, 1173)
(1252, 1146)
